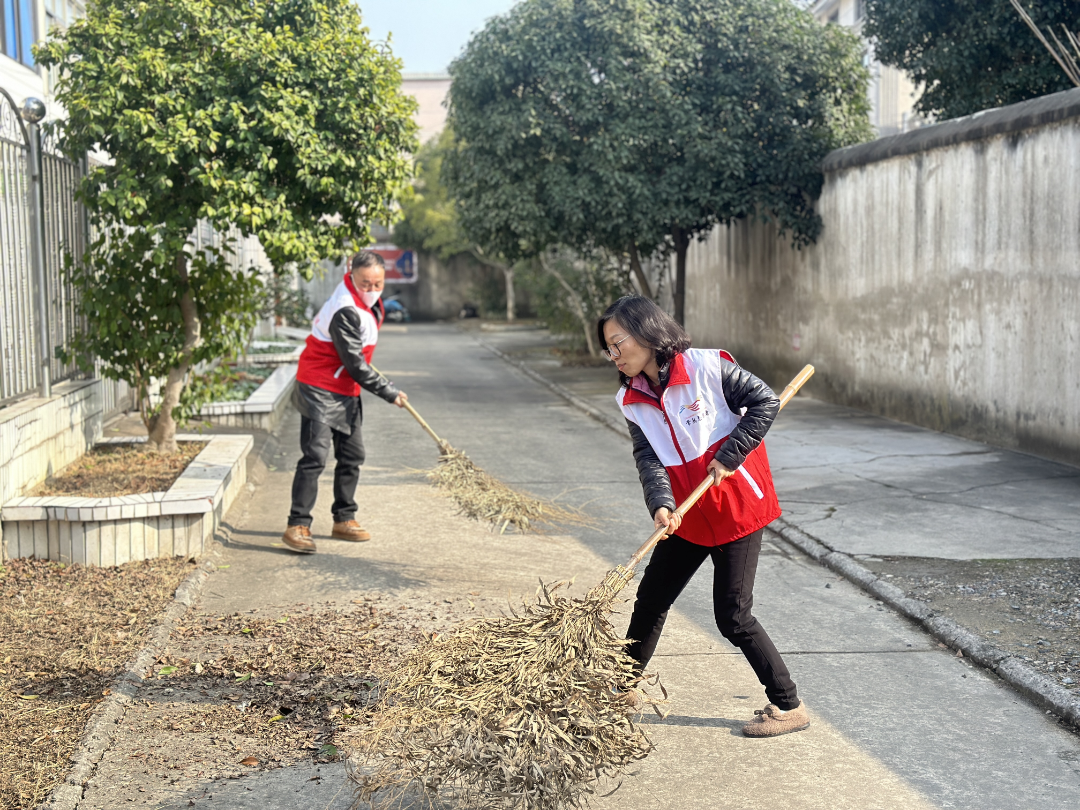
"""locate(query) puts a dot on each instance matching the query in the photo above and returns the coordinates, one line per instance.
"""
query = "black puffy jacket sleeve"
(743, 390)
(654, 478)
(346, 331)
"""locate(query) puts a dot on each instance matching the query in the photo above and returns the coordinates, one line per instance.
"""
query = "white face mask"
(369, 298)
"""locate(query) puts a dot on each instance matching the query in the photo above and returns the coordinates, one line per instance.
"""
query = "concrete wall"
(39, 437)
(944, 291)
(443, 287)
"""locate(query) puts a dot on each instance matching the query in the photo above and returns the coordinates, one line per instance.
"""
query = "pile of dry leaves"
(66, 633)
(263, 690)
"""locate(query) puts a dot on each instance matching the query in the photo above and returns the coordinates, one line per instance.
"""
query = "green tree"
(552, 105)
(430, 218)
(762, 92)
(572, 291)
(278, 118)
(969, 55)
(631, 127)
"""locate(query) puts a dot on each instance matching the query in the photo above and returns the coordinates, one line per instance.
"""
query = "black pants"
(673, 563)
(315, 442)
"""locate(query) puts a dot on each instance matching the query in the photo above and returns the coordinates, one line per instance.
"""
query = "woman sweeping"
(692, 412)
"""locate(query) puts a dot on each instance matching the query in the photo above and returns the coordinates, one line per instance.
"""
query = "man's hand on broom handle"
(402, 398)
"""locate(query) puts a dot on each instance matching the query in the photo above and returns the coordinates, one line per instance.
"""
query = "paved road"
(866, 485)
(898, 722)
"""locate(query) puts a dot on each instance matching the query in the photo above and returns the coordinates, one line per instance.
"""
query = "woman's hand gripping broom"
(785, 397)
(520, 712)
(482, 497)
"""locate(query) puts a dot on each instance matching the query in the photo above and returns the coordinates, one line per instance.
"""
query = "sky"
(428, 34)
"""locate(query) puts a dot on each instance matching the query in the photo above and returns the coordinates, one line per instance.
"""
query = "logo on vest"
(695, 412)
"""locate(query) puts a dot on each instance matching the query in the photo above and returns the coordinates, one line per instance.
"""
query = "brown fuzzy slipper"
(769, 722)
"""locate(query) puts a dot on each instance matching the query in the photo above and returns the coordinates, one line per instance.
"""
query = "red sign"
(400, 264)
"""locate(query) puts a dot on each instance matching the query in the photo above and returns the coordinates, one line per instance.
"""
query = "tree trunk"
(639, 273)
(511, 304)
(577, 304)
(682, 242)
(163, 429)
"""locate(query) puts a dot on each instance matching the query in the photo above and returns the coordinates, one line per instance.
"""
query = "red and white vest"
(686, 427)
(320, 364)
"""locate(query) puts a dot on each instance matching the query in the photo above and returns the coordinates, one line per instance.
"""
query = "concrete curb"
(103, 723)
(597, 414)
(1042, 690)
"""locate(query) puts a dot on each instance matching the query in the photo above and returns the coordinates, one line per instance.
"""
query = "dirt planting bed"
(66, 633)
(110, 470)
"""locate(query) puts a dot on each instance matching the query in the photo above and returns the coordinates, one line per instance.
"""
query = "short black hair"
(365, 258)
(649, 325)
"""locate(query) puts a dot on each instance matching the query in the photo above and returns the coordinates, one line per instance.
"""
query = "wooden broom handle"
(684, 507)
(416, 414)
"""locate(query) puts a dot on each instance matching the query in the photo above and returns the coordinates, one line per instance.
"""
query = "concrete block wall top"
(40, 436)
(198, 489)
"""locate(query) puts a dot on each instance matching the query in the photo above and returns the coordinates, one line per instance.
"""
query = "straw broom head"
(525, 711)
(483, 497)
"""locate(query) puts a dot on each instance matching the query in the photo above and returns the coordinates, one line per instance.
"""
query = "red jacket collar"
(640, 391)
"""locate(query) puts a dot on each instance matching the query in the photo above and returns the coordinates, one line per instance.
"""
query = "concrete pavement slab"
(897, 721)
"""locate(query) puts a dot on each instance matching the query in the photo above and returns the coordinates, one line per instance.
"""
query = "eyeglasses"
(611, 351)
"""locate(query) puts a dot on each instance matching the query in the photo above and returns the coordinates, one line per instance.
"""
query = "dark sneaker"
(350, 530)
(769, 722)
(298, 538)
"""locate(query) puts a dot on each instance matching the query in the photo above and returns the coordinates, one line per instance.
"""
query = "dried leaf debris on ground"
(110, 470)
(66, 633)
(534, 710)
(264, 689)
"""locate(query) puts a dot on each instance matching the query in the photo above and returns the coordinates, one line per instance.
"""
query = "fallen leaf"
(29, 697)
(220, 567)
(198, 669)
(243, 678)
(275, 718)
(249, 761)
(328, 750)
(166, 670)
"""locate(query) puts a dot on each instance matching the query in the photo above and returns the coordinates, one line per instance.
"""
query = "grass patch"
(241, 382)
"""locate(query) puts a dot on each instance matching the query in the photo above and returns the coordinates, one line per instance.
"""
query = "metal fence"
(18, 346)
(37, 312)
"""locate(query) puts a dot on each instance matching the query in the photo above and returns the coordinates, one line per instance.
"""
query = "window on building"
(860, 9)
(835, 18)
(17, 30)
(59, 14)
(62, 13)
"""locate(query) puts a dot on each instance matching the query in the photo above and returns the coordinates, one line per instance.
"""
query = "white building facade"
(892, 94)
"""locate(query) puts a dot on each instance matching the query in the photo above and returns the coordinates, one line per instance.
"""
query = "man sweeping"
(334, 366)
